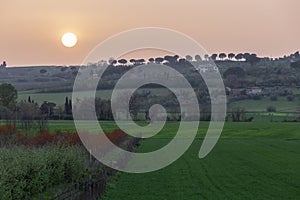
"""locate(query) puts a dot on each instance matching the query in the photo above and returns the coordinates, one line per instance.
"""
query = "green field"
(254, 160)
(250, 161)
(281, 105)
(60, 97)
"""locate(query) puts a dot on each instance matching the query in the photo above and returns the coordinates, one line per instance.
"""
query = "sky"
(31, 30)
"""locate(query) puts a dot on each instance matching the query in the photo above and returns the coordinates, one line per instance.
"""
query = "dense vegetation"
(26, 172)
(255, 160)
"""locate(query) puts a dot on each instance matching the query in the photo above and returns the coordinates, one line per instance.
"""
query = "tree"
(271, 109)
(112, 62)
(295, 65)
(182, 61)
(5, 113)
(176, 57)
(198, 58)
(68, 106)
(47, 108)
(133, 61)
(134, 106)
(27, 113)
(238, 114)
(170, 59)
(214, 56)
(141, 61)
(231, 56)
(8, 96)
(239, 56)
(290, 98)
(206, 56)
(151, 60)
(43, 71)
(103, 109)
(246, 55)
(159, 60)
(252, 58)
(222, 56)
(189, 58)
(3, 64)
(122, 61)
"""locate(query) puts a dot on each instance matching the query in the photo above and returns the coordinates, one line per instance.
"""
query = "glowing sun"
(69, 39)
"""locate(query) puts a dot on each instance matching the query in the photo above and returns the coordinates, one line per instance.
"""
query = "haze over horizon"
(32, 29)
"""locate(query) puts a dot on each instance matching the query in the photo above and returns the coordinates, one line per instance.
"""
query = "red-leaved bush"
(7, 129)
(61, 138)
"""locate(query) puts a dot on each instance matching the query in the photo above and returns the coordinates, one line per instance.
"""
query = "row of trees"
(252, 58)
(29, 112)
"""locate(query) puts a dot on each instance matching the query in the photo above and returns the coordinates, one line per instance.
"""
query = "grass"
(60, 97)
(68, 125)
(254, 160)
(251, 161)
(282, 105)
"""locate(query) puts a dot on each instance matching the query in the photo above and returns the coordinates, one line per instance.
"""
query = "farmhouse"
(253, 91)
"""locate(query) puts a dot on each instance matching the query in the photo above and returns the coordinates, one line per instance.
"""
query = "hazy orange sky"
(31, 29)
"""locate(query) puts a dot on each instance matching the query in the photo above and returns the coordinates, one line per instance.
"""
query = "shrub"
(7, 129)
(29, 171)
(7, 135)
(271, 109)
(290, 98)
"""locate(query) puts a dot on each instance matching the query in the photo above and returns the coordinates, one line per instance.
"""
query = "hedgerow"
(26, 171)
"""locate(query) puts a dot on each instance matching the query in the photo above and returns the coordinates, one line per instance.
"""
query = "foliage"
(271, 109)
(238, 114)
(290, 97)
(5, 113)
(27, 171)
(8, 96)
(237, 71)
(43, 71)
(251, 58)
(295, 65)
(30, 165)
(7, 135)
(27, 112)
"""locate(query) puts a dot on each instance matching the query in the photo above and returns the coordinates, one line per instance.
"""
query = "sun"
(69, 39)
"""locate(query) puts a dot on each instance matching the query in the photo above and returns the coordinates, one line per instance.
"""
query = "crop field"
(250, 161)
(60, 97)
(281, 105)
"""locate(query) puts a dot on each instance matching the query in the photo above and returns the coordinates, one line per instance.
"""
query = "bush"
(290, 98)
(271, 109)
(7, 135)
(29, 171)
